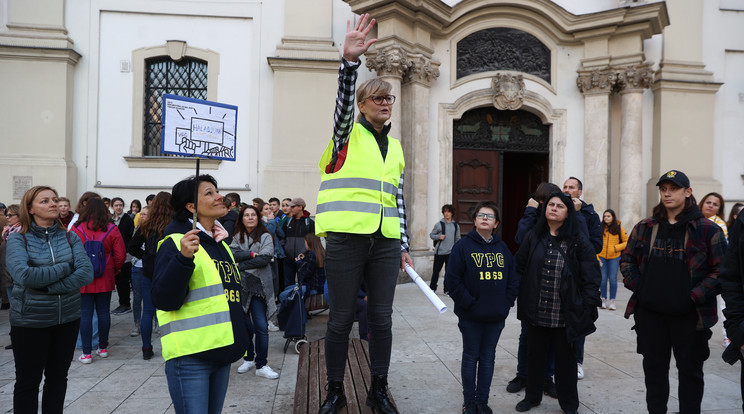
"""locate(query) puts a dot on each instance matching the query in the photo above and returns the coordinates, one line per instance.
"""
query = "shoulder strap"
(654, 231)
(25, 241)
(441, 223)
(67, 233)
(107, 233)
(307, 222)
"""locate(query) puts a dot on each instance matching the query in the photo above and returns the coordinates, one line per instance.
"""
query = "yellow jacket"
(612, 244)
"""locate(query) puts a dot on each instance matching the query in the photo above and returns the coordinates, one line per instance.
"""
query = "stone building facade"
(494, 96)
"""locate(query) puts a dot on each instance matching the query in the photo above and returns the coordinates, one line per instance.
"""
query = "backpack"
(96, 252)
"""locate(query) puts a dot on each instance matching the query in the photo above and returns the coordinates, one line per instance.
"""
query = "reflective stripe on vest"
(203, 322)
(361, 197)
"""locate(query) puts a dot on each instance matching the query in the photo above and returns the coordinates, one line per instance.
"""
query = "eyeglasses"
(11, 215)
(485, 216)
(388, 99)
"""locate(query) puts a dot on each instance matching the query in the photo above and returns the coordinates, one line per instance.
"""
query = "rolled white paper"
(441, 307)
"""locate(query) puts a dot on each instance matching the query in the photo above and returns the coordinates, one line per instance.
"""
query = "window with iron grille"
(187, 77)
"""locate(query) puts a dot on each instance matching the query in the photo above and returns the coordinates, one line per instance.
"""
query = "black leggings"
(37, 352)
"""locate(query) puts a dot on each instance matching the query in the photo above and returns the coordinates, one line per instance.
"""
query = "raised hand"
(356, 43)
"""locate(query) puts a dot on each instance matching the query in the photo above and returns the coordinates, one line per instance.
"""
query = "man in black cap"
(671, 264)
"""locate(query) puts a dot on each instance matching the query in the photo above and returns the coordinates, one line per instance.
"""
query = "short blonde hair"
(372, 87)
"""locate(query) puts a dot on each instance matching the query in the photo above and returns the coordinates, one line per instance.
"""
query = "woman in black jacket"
(558, 298)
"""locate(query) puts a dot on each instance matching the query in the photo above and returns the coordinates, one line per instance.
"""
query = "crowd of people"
(210, 272)
(65, 264)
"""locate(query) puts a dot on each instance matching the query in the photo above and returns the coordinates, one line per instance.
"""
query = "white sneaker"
(612, 304)
(272, 327)
(247, 365)
(103, 353)
(579, 372)
(267, 372)
(604, 303)
(135, 331)
(85, 359)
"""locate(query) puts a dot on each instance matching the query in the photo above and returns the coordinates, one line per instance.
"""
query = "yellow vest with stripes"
(361, 196)
(203, 321)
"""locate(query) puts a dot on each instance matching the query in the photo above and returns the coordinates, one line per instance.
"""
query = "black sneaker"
(121, 310)
(525, 405)
(483, 408)
(549, 388)
(469, 408)
(517, 384)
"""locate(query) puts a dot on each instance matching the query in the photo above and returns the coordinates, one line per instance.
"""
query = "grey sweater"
(451, 236)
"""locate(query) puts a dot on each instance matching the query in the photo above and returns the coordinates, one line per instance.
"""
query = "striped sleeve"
(404, 247)
(343, 116)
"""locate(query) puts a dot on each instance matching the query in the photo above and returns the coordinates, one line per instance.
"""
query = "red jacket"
(116, 254)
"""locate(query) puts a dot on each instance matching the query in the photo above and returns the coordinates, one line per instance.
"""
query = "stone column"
(596, 86)
(631, 82)
(392, 64)
(411, 75)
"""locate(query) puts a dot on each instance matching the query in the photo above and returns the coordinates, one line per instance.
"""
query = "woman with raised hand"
(253, 247)
(196, 289)
(558, 298)
(95, 230)
(614, 240)
(48, 267)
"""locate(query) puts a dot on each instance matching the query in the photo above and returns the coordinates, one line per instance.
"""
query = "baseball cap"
(675, 176)
(297, 202)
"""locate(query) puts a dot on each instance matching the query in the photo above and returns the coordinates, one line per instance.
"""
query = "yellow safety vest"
(361, 196)
(203, 321)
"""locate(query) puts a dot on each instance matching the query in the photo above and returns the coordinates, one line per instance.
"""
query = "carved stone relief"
(502, 48)
(508, 91)
(390, 61)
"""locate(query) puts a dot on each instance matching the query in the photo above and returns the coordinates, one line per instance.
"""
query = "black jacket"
(732, 290)
(579, 290)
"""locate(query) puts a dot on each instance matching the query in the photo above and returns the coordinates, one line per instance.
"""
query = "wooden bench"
(311, 378)
(316, 303)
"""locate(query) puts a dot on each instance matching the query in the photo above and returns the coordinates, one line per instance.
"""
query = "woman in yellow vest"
(196, 289)
(362, 214)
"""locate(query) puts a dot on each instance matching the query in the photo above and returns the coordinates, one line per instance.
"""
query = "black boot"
(378, 397)
(335, 400)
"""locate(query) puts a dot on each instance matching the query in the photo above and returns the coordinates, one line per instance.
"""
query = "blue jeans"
(141, 286)
(479, 340)
(102, 303)
(197, 386)
(256, 324)
(137, 294)
(351, 259)
(609, 273)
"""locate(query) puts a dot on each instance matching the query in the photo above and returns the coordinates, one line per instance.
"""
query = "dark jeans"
(143, 285)
(579, 349)
(258, 326)
(439, 261)
(123, 281)
(658, 336)
(522, 356)
(351, 259)
(102, 304)
(565, 366)
(479, 340)
(290, 272)
(46, 351)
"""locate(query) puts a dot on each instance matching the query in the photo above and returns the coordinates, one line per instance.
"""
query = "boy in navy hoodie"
(483, 282)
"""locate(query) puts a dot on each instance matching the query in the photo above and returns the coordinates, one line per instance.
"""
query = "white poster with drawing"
(197, 128)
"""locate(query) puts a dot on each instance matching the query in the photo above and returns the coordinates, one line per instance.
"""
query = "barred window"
(187, 77)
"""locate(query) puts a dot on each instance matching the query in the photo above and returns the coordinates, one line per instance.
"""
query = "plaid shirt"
(343, 122)
(549, 314)
(704, 251)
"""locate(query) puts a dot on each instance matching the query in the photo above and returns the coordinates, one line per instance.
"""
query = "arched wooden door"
(500, 156)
